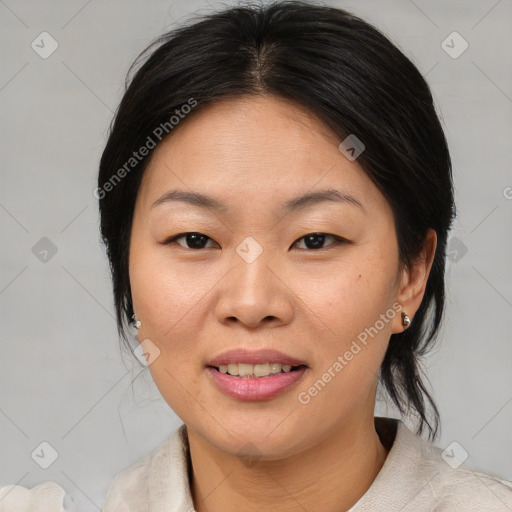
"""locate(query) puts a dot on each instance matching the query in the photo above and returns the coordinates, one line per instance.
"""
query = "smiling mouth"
(258, 371)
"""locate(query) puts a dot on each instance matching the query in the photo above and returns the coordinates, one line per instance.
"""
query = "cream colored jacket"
(417, 476)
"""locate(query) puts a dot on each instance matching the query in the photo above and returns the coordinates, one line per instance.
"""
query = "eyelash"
(337, 240)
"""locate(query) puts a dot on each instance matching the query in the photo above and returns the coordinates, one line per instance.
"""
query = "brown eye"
(317, 240)
(312, 241)
(192, 240)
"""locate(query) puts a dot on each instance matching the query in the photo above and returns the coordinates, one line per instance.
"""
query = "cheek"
(351, 344)
(162, 300)
(169, 300)
(352, 334)
(166, 293)
(348, 297)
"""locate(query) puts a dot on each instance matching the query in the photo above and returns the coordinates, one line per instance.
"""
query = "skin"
(253, 154)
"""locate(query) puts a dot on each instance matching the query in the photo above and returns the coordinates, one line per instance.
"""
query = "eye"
(196, 241)
(316, 240)
(193, 240)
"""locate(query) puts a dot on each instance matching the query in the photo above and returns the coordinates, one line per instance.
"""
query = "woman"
(275, 198)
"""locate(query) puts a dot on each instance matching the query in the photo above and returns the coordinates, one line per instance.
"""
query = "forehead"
(254, 148)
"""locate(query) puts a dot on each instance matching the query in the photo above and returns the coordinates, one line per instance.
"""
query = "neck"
(330, 476)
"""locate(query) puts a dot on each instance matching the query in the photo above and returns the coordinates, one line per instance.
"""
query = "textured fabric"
(157, 483)
(45, 497)
(414, 478)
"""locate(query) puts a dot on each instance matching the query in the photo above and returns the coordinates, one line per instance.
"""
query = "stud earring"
(136, 323)
(406, 321)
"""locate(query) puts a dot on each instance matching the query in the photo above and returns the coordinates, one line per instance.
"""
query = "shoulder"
(418, 476)
(157, 479)
(460, 487)
(45, 496)
(128, 485)
(450, 485)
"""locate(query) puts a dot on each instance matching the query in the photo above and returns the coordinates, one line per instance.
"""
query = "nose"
(255, 295)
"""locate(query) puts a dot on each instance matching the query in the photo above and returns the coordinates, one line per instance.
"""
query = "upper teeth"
(254, 370)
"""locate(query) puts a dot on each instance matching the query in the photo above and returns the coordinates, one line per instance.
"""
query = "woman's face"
(251, 280)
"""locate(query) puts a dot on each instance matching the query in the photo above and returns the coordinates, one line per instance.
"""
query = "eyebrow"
(295, 204)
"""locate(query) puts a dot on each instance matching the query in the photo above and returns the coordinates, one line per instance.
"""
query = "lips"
(255, 375)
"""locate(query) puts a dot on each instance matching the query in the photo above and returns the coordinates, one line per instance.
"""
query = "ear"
(414, 281)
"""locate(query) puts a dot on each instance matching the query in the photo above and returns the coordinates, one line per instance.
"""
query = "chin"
(252, 437)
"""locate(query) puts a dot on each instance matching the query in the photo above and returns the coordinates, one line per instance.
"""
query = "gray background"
(63, 377)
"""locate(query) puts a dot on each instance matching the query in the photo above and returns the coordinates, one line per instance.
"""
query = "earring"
(406, 321)
(136, 323)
